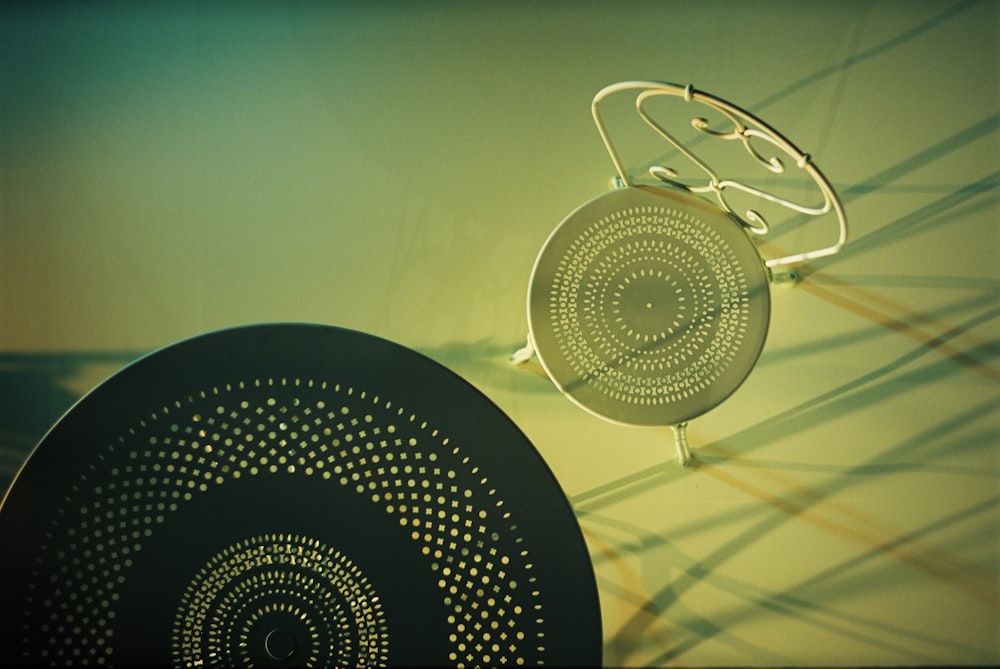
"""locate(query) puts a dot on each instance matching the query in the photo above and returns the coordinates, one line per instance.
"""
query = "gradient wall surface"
(168, 169)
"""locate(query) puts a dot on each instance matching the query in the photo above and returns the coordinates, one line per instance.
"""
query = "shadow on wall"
(37, 389)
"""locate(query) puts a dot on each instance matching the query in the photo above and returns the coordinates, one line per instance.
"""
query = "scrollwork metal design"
(746, 129)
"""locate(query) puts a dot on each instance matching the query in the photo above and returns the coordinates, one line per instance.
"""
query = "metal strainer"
(291, 495)
(649, 305)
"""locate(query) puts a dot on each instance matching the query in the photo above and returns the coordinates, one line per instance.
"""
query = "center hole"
(280, 644)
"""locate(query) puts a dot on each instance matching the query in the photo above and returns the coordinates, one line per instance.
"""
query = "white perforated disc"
(648, 307)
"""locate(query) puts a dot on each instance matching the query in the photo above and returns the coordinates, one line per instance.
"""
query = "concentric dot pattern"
(304, 428)
(286, 584)
(649, 306)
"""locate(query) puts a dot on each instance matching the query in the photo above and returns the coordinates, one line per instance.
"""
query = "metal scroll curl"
(747, 131)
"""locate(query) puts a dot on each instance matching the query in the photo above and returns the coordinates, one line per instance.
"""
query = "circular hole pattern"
(647, 307)
(281, 597)
(431, 489)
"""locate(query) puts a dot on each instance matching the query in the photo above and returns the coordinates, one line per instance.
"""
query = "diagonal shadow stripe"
(911, 281)
(907, 324)
(901, 547)
(877, 50)
(932, 215)
(796, 606)
(894, 172)
(904, 37)
(858, 394)
(974, 356)
(639, 632)
(920, 160)
(954, 201)
(901, 542)
(826, 617)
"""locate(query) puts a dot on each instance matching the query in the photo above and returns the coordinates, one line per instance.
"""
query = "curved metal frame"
(746, 128)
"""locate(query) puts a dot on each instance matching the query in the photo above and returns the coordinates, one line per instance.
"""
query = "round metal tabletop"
(291, 495)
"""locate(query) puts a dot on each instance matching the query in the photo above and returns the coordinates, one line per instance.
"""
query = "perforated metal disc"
(648, 307)
(291, 495)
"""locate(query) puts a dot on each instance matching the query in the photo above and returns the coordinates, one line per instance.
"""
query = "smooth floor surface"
(169, 169)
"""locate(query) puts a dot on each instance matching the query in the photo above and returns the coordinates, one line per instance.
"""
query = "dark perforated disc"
(647, 307)
(291, 495)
